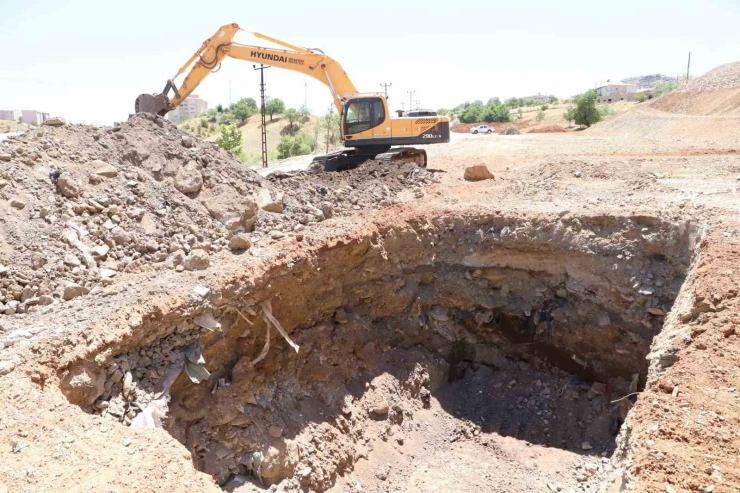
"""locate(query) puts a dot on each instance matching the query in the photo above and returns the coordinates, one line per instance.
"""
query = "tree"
(242, 110)
(329, 127)
(540, 116)
(274, 107)
(512, 103)
(220, 108)
(305, 113)
(586, 111)
(570, 114)
(230, 139)
(472, 112)
(520, 114)
(292, 115)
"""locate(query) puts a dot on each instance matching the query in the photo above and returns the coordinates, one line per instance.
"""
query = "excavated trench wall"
(585, 295)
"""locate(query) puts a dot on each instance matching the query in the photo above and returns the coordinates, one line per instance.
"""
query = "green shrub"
(641, 98)
(544, 107)
(230, 139)
(511, 131)
(299, 145)
(540, 116)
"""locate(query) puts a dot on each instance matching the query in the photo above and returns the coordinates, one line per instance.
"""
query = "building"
(616, 91)
(28, 116)
(190, 108)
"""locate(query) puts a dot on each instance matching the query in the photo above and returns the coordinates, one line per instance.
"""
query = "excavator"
(367, 130)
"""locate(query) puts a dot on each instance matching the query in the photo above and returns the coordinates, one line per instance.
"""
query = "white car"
(482, 129)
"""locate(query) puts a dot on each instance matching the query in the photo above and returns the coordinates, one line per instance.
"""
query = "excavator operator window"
(364, 114)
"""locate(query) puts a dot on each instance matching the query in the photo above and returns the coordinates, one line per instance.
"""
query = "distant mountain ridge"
(648, 81)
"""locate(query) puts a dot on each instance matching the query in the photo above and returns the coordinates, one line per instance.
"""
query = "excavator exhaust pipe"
(156, 104)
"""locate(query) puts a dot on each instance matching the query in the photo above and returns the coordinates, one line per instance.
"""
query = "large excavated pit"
(526, 328)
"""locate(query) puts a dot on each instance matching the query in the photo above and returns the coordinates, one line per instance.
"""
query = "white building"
(29, 116)
(190, 108)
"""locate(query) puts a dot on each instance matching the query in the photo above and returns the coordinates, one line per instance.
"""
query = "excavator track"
(404, 155)
(351, 158)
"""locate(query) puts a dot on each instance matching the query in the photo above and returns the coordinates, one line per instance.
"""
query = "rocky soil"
(80, 205)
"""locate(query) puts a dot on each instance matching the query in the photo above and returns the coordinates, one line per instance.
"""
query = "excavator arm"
(311, 62)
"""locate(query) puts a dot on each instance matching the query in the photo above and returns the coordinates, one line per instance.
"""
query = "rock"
(578, 174)
(94, 179)
(269, 204)
(100, 250)
(236, 212)
(197, 260)
(382, 408)
(3, 184)
(6, 367)
(5, 157)
(73, 290)
(45, 300)
(239, 242)
(275, 432)
(120, 236)
(107, 273)
(72, 260)
(561, 293)
(478, 172)
(327, 209)
(656, 311)
(586, 446)
(68, 187)
(189, 178)
(17, 203)
(104, 169)
(186, 141)
(54, 122)
(83, 385)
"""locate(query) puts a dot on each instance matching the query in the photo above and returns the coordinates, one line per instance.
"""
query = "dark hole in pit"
(524, 340)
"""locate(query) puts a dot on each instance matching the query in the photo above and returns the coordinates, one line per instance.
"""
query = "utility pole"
(418, 104)
(385, 86)
(411, 95)
(688, 69)
(305, 95)
(262, 69)
(230, 101)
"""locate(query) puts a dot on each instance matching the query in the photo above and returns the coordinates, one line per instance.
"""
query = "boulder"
(478, 172)
(68, 187)
(73, 290)
(266, 202)
(83, 385)
(54, 122)
(104, 169)
(236, 212)
(197, 260)
(239, 242)
(188, 178)
(17, 203)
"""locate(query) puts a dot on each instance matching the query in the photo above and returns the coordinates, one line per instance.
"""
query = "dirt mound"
(82, 205)
(723, 77)
(462, 128)
(715, 93)
(548, 129)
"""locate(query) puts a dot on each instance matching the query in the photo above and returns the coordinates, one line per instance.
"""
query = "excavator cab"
(364, 118)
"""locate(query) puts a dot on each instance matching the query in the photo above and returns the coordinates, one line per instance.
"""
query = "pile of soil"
(547, 129)
(80, 205)
(715, 93)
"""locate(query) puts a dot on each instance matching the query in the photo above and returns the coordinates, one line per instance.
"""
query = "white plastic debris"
(207, 321)
(267, 312)
(265, 348)
(201, 291)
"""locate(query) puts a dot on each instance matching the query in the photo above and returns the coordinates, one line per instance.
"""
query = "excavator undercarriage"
(345, 159)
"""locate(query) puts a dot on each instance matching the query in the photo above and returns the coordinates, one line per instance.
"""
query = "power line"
(385, 86)
(262, 68)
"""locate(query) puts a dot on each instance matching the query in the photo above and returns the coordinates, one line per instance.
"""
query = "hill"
(648, 81)
(251, 134)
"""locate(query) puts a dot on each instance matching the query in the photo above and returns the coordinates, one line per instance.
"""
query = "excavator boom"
(366, 125)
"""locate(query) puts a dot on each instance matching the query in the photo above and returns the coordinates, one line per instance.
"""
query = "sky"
(88, 60)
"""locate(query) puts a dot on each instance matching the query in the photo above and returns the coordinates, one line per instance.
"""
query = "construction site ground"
(371, 402)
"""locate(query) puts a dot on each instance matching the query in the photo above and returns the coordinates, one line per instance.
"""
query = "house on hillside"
(616, 91)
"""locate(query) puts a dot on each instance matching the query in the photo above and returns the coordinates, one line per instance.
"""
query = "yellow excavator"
(367, 129)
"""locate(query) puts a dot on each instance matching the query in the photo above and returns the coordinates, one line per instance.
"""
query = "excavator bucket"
(156, 104)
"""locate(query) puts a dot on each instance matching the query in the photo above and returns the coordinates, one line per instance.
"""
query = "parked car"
(482, 129)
